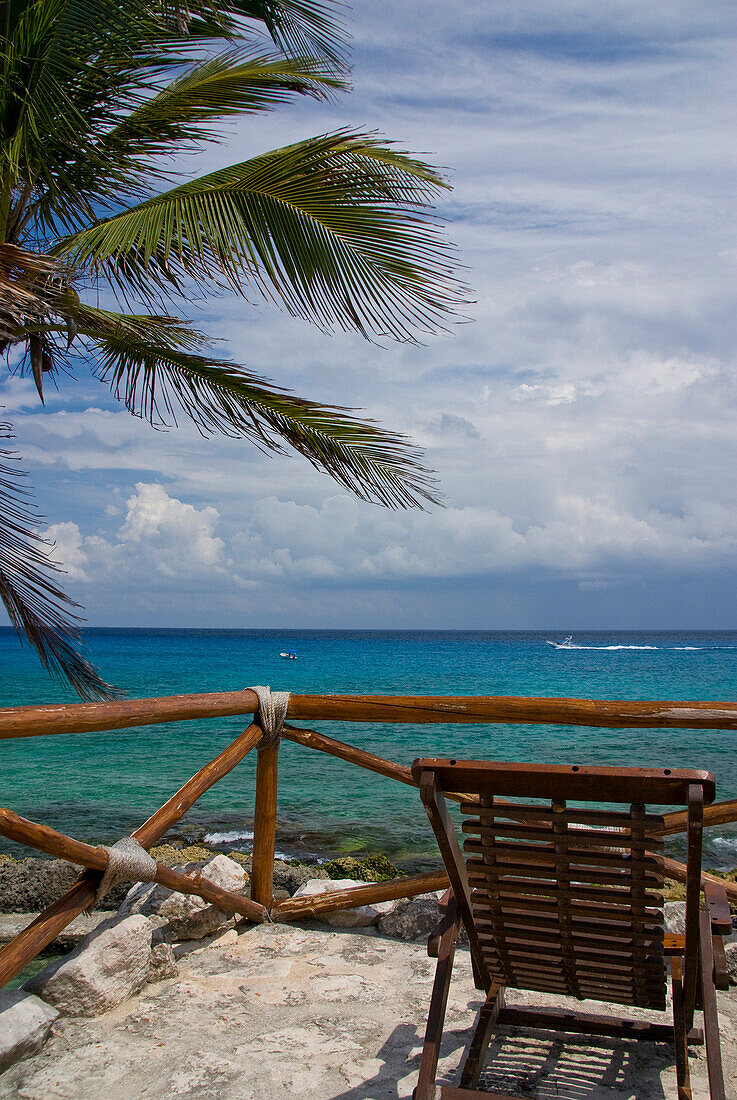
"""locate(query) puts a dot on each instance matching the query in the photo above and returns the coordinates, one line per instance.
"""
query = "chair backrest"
(564, 898)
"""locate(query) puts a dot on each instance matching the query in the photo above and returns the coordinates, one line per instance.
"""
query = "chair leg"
(425, 1089)
(679, 1031)
(482, 1036)
(709, 999)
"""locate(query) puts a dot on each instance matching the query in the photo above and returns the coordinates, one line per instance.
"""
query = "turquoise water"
(98, 786)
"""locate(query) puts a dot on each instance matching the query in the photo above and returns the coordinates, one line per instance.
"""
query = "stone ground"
(326, 1015)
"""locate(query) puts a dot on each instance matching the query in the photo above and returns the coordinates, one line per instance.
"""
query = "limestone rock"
(163, 964)
(189, 917)
(674, 913)
(110, 965)
(362, 916)
(287, 877)
(730, 951)
(412, 918)
(25, 1025)
(30, 885)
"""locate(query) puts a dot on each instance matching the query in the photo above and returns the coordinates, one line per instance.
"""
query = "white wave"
(227, 838)
(666, 649)
(729, 842)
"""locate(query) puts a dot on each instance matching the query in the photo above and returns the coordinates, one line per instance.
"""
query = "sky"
(582, 421)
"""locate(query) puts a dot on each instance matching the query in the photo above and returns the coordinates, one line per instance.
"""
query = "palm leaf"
(38, 609)
(236, 82)
(336, 227)
(301, 28)
(149, 365)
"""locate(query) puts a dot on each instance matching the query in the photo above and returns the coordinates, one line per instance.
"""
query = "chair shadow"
(573, 1067)
(527, 1062)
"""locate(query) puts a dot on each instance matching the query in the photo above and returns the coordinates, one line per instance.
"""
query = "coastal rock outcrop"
(412, 918)
(360, 917)
(188, 917)
(25, 1025)
(30, 885)
(110, 965)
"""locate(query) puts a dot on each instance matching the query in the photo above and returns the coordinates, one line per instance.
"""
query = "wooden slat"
(593, 819)
(548, 927)
(550, 946)
(545, 907)
(536, 854)
(514, 889)
(585, 838)
(584, 1024)
(579, 875)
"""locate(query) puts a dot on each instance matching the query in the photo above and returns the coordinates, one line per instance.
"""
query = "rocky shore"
(30, 885)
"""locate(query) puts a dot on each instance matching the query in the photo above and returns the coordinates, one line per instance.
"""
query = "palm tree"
(95, 97)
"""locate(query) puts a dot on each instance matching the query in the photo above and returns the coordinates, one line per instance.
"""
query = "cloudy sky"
(583, 422)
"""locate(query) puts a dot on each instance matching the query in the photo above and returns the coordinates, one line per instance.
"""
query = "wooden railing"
(39, 721)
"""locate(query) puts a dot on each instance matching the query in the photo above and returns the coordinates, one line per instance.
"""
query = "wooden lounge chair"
(566, 899)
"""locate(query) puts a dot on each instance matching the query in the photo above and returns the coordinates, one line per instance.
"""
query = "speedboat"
(289, 655)
(564, 643)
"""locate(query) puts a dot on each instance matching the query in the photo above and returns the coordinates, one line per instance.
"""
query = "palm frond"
(158, 377)
(301, 28)
(38, 608)
(239, 81)
(335, 227)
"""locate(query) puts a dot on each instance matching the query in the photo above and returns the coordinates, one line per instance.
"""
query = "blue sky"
(583, 423)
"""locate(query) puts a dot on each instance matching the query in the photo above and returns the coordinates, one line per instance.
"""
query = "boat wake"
(664, 649)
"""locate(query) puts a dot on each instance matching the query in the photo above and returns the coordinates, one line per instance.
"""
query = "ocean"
(99, 786)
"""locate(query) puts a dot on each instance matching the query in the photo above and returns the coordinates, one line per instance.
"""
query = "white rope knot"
(127, 862)
(271, 714)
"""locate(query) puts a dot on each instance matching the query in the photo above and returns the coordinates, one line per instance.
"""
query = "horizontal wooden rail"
(49, 924)
(678, 873)
(40, 721)
(719, 813)
(314, 905)
(491, 708)
(36, 721)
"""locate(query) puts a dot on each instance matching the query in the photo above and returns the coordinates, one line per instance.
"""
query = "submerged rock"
(189, 917)
(375, 868)
(360, 917)
(110, 965)
(25, 1025)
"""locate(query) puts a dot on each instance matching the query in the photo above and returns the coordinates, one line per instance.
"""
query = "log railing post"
(264, 829)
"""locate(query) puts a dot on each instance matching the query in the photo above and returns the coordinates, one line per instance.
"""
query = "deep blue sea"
(99, 786)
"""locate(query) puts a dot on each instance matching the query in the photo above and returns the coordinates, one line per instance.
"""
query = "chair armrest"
(718, 906)
(721, 973)
(448, 919)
